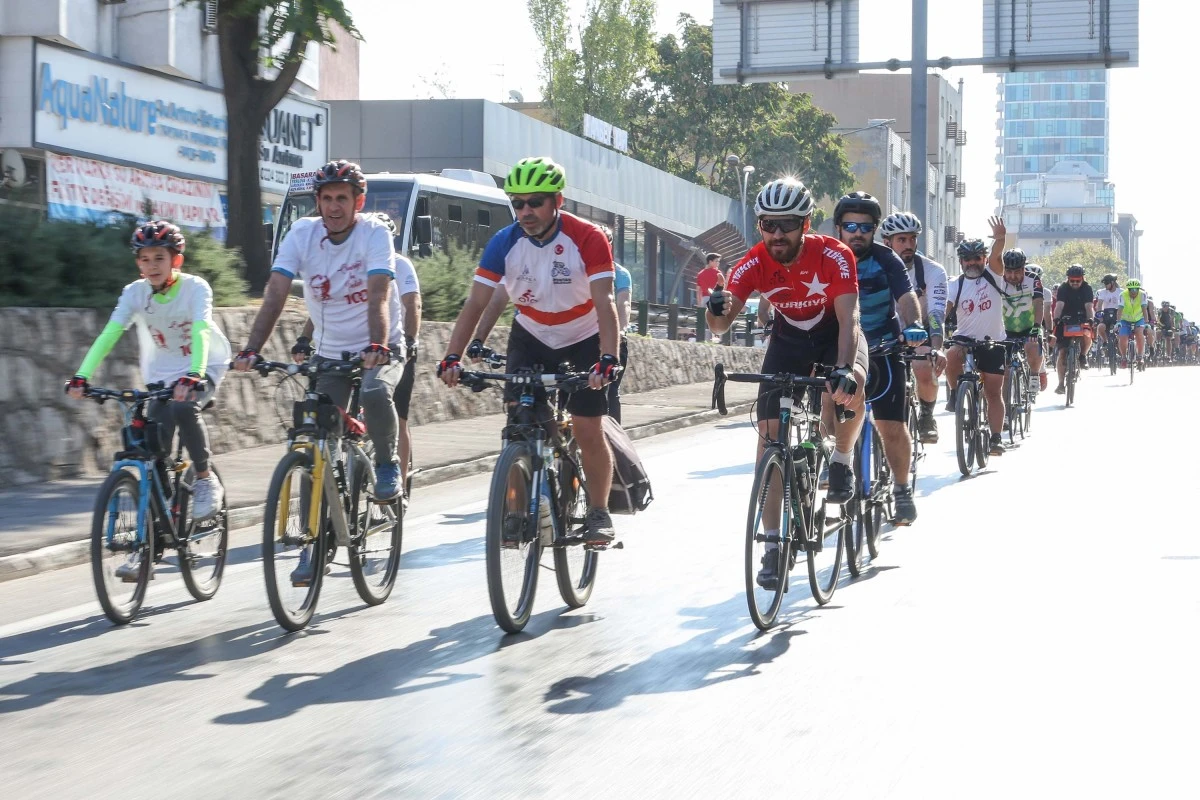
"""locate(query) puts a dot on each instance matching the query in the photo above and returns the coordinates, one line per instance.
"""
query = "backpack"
(630, 491)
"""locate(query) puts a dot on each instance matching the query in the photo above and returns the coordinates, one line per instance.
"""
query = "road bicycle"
(538, 497)
(143, 509)
(322, 496)
(973, 434)
(786, 514)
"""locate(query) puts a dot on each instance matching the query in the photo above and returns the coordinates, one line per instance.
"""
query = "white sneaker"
(207, 497)
(129, 571)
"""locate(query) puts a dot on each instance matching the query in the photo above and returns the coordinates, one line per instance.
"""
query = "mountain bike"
(973, 435)
(786, 515)
(1073, 334)
(1018, 390)
(144, 508)
(538, 498)
(322, 496)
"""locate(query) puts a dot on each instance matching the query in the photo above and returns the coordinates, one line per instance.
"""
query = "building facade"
(107, 107)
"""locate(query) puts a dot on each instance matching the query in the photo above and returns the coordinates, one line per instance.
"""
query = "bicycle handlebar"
(784, 380)
(348, 364)
(567, 381)
(127, 395)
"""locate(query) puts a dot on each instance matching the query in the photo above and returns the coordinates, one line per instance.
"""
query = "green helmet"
(1133, 284)
(535, 175)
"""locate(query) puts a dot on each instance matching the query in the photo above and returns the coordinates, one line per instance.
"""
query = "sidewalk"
(46, 526)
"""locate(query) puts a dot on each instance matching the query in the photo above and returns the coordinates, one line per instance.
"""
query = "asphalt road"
(1034, 634)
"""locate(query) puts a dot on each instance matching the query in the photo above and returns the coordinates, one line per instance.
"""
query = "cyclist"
(559, 270)
(1073, 306)
(883, 287)
(978, 309)
(1108, 305)
(623, 295)
(1177, 331)
(178, 344)
(810, 282)
(1023, 306)
(928, 279)
(1166, 322)
(1191, 335)
(1042, 322)
(1135, 316)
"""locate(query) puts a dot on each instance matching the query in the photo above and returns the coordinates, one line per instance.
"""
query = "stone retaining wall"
(45, 436)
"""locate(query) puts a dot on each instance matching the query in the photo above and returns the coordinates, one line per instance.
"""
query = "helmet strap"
(553, 224)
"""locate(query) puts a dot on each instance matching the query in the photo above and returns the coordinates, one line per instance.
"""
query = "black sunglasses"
(533, 202)
(855, 227)
(786, 224)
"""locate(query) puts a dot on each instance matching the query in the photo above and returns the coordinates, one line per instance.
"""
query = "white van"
(459, 206)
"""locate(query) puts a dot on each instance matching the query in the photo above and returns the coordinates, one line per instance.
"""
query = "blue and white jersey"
(882, 280)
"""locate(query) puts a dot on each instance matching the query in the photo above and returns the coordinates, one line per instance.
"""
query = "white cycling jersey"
(1109, 300)
(933, 299)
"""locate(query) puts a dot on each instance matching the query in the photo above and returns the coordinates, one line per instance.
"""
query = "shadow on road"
(439, 555)
(391, 673)
(72, 631)
(705, 660)
(721, 472)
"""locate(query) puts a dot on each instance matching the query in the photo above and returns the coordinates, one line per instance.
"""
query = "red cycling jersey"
(803, 293)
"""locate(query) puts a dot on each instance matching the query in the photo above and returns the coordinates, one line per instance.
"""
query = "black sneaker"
(997, 448)
(1060, 389)
(906, 509)
(599, 528)
(927, 428)
(841, 483)
(1083, 360)
(768, 576)
(950, 406)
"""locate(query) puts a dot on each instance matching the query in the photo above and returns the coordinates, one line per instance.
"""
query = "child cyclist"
(178, 345)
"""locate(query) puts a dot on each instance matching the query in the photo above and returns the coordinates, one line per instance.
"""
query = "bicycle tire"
(574, 565)
(823, 582)
(1030, 397)
(293, 610)
(1112, 354)
(983, 429)
(515, 463)
(215, 534)
(881, 509)
(1072, 370)
(1012, 401)
(374, 528)
(119, 612)
(856, 537)
(764, 602)
(964, 426)
(918, 449)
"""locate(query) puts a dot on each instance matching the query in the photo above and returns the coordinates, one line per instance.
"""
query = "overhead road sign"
(1059, 33)
(760, 41)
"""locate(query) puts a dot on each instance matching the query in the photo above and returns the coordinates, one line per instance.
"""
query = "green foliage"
(75, 265)
(284, 19)
(446, 277)
(1097, 260)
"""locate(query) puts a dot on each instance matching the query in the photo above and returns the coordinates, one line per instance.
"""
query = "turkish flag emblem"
(558, 249)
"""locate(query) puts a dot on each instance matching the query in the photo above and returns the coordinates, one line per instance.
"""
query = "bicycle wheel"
(918, 449)
(116, 542)
(1030, 394)
(983, 429)
(880, 507)
(574, 565)
(1072, 370)
(856, 536)
(513, 547)
(765, 546)
(1112, 355)
(1012, 402)
(205, 545)
(823, 543)
(964, 426)
(289, 547)
(376, 535)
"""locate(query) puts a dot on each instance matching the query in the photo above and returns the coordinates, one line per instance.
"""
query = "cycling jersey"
(1075, 302)
(706, 281)
(1018, 303)
(882, 280)
(623, 281)
(803, 293)
(335, 280)
(406, 276)
(931, 293)
(1133, 308)
(550, 282)
(1167, 320)
(1109, 300)
(978, 306)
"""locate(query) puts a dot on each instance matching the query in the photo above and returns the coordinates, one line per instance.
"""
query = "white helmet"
(903, 222)
(784, 197)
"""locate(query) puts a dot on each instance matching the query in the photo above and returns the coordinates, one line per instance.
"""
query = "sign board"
(766, 40)
(605, 133)
(1074, 29)
(100, 108)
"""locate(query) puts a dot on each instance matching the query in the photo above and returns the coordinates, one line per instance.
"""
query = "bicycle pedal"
(598, 547)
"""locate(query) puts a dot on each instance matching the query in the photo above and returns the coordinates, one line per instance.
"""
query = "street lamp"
(733, 161)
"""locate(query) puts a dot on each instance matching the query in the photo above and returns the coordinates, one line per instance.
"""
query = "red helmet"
(159, 233)
(340, 171)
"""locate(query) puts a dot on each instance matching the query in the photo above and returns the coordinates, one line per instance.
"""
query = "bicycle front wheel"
(983, 429)
(204, 547)
(1112, 356)
(513, 547)
(881, 505)
(768, 553)
(1072, 371)
(121, 555)
(823, 542)
(293, 549)
(574, 565)
(964, 426)
(918, 449)
(376, 534)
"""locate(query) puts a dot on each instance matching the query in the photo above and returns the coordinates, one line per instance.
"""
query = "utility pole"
(919, 125)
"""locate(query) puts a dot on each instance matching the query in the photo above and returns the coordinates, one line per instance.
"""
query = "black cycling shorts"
(887, 391)
(1110, 316)
(991, 360)
(798, 355)
(402, 397)
(526, 350)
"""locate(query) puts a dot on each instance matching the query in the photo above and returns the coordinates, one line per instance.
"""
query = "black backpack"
(630, 491)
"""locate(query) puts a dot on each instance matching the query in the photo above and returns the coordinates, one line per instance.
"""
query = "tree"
(249, 32)
(1097, 260)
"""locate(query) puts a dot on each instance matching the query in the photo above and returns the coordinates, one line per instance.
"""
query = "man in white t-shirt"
(976, 301)
(1108, 307)
(346, 261)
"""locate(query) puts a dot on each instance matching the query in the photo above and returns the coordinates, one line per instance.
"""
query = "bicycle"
(786, 478)
(1073, 333)
(1019, 393)
(1110, 348)
(538, 497)
(914, 412)
(973, 434)
(143, 508)
(321, 496)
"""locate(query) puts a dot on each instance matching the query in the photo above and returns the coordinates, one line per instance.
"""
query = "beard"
(861, 249)
(785, 253)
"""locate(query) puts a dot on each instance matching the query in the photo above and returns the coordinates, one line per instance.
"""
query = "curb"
(69, 554)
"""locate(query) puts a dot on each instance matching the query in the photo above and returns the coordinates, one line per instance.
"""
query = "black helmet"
(1109, 278)
(1076, 271)
(1014, 259)
(159, 233)
(857, 203)
(340, 171)
(969, 248)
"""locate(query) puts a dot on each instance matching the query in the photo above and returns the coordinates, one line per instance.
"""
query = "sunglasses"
(787, 225)
(1075, 281)
(533, 202)
(855, 227)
